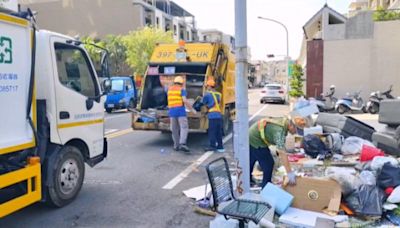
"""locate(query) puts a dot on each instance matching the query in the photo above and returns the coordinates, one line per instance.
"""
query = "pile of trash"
(343, 179)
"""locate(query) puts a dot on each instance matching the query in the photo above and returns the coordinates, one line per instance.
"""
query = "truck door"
(80, 110)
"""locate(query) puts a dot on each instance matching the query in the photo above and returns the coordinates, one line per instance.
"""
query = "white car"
(273, 93)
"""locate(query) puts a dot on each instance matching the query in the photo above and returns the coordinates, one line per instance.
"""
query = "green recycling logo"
(5, 50)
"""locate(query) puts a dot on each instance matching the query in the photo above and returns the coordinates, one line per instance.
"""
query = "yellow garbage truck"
(195, 62)
(52, 114)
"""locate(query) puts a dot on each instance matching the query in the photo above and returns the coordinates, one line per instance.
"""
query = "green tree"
(117, 55)
(140, 45)
(296, 82)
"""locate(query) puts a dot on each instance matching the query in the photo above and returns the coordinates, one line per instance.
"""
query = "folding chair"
(225, 202)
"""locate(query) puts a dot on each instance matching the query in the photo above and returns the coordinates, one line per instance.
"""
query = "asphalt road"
(126, 190)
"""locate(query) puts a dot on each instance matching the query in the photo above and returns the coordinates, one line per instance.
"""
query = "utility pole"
(241, 125)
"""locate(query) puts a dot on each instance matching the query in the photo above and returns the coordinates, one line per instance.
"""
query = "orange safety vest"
(216, 107)
(175, 96)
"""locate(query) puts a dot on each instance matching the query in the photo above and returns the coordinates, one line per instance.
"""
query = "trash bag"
(368, 178)
(353, 145)
(389, 176)
(335, 141)
(369, 152)
(394, 196)
(378, 162)
(346, 177)
(313, 146)
(367, 200)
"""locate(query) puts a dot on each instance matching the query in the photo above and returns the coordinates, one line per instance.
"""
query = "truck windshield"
(117, 85)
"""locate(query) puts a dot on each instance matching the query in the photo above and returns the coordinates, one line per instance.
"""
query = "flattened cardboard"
(316, 194)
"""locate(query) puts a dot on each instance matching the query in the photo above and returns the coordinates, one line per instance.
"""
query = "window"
(158, 22)
(175, 32)
(74, 70)
(117, 85)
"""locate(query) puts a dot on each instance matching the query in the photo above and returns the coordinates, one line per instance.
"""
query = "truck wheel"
(132, 104)
(108, 110)
(227, 122)
(68, 174)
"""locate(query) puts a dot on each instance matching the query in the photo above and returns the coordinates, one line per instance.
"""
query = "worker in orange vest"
(212, 99)
(177, 104)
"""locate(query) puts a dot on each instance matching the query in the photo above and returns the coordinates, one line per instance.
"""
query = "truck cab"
(53, 116)
(122, 94)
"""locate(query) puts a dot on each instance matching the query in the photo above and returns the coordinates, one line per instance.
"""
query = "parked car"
(123, 93)
(273, 93)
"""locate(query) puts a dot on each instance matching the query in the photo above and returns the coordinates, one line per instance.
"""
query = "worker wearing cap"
(177, 113)
(267, 132)
(212, 99)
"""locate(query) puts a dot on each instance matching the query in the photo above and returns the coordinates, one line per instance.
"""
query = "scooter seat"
(348, 99)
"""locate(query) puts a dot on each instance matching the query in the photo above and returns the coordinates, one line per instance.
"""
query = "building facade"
(356, 55)
(98, 18)
(214, 35)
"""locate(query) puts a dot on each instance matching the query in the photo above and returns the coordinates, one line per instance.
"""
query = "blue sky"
(263, 37)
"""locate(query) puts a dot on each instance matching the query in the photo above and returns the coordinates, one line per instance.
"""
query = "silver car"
(273, 93)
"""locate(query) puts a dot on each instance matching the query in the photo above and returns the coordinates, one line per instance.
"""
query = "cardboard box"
(316, 194)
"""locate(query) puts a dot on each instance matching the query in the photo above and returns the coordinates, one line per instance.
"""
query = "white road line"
(171, 184)
(109, 131)
(176, 180)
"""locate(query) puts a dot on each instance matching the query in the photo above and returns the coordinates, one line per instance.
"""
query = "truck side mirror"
(107, 85)
(105, 70)
(127, 88)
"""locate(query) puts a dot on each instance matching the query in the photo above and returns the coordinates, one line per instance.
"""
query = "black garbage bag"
(367, 200)
(389, 176)
(313, 146)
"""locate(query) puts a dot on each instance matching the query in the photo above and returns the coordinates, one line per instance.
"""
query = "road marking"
(109, 131)
(171, 184)
(119, 133)
(176, 180)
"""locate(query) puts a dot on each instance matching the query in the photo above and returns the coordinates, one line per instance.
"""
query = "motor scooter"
(352, 102)
(375, 99)
(326, 102)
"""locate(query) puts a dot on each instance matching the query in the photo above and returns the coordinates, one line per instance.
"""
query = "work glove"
(292, 178)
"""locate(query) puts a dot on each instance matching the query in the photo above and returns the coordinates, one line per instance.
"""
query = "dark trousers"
(266, 161)
(215, 133)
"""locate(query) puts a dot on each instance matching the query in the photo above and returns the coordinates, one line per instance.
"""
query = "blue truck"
(123, 93)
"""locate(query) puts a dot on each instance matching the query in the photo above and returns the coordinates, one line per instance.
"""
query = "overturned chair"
(389, 138)
(225, 202)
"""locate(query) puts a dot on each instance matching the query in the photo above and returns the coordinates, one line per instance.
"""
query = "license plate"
(110, 105)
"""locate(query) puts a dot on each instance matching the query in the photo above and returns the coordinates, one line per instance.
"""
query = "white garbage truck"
(51, 114)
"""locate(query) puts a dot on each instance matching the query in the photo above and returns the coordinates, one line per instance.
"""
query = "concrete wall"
(335, 32)
(96, 18)
(364, 64)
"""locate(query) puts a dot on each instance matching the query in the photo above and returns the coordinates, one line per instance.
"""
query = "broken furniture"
(225, 202)
(344, 125)
(389, 139)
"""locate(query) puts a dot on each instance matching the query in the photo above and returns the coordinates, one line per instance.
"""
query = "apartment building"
(98, 18)
(214, 35)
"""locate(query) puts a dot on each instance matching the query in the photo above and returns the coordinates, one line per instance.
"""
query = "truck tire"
(132, 104)
(227, 122)
(108, 110)
(68, 174)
